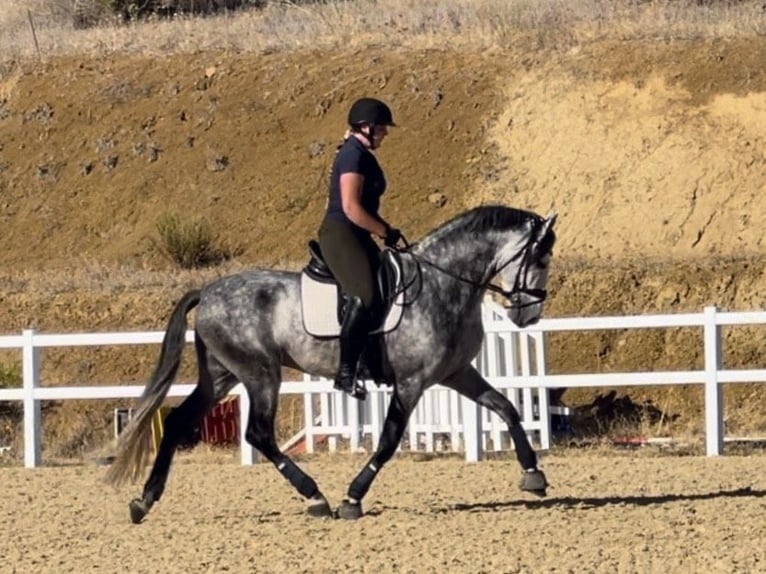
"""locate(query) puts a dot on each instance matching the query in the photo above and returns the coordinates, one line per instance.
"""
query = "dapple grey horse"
(248, 326)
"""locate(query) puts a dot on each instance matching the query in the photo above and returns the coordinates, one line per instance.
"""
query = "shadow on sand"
(586, 503)
(583, 503)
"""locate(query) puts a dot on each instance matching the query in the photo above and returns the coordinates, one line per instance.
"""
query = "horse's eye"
(544, 261)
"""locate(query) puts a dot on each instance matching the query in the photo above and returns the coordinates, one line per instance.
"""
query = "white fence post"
(472, 430)
(246, 451)
(543, 404)
(32, 416)
(308, 417)
(713, 390)
(355, 427)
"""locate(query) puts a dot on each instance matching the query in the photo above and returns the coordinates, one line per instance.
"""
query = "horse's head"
(523, 273)
(495, 243)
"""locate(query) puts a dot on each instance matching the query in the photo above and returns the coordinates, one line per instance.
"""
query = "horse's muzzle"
(524, 317)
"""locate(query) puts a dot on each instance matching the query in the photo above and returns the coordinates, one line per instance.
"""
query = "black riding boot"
(353, 337)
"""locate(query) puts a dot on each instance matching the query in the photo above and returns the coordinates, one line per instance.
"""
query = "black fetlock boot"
(353, 337)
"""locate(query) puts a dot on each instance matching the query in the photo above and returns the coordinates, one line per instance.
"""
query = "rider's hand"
(393, 236)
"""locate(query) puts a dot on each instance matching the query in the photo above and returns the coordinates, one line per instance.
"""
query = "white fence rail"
(513, 360)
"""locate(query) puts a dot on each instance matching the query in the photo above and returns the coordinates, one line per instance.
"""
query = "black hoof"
(350, 510)
(138, 509)
(534, 481)
(319, 508)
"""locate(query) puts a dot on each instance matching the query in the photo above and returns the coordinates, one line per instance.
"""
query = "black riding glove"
(393, 236)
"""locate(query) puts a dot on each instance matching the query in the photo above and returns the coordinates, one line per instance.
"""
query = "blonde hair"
(346, 135)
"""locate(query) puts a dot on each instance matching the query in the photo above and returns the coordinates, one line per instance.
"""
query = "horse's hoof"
(138, 509)
(319, 508)
(350, 510)
(534, 481)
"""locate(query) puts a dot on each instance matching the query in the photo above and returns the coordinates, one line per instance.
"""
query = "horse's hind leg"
(471, 384)
(177, 425)
(262, 383)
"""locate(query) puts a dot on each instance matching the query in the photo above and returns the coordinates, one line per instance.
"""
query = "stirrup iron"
(356, 390)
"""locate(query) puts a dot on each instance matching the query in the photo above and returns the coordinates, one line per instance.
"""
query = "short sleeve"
(349, 160)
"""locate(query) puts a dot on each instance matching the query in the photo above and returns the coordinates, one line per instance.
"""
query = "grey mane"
(480, 220)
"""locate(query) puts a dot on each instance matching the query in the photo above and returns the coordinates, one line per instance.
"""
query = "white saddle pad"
(319, 305)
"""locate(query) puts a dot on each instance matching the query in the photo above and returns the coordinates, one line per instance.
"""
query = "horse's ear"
(552, 217)
(547, 225)
(544, 237)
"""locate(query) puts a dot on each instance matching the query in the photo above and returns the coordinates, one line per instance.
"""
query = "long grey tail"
(133, 448)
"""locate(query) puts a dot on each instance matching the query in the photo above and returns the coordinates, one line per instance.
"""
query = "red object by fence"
(221, 425)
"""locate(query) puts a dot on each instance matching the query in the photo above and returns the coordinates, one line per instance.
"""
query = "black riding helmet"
(370, 111)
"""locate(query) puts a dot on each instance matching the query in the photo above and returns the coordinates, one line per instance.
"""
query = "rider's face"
(377, 135)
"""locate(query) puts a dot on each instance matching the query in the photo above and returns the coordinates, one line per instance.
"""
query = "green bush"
(10, 411)
(10, 376)
(190, 244)
(89, 13)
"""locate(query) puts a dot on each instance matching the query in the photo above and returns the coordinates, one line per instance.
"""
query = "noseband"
(521, 296)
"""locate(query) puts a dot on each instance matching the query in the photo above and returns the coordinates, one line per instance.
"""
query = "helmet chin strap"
(369, 138)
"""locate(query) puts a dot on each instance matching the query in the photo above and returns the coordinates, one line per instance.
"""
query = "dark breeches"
(352, 257)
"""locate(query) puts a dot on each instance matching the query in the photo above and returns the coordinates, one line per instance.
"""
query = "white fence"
(513, 360)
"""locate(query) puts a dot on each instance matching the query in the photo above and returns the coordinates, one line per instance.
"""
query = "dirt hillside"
(653, 154)
(93, 151)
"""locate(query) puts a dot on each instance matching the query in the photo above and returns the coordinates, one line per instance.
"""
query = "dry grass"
(283, 25)
(95, 277)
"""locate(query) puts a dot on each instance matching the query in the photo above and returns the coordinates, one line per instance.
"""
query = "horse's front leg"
(471, 384)
(399, 411)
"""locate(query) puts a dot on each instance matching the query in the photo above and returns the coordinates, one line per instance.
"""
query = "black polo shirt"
(354, 157)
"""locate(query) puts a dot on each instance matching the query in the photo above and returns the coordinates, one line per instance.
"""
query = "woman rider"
(345, 235)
